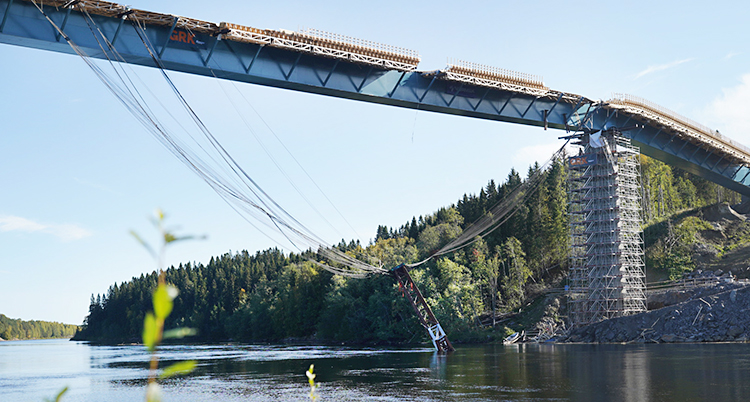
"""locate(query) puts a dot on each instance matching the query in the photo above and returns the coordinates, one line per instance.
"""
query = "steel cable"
(257, 203)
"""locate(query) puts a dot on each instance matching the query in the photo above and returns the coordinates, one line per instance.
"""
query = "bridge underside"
(671, 147)
(208, 53)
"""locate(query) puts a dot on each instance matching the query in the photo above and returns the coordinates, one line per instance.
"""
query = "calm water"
(35, 370)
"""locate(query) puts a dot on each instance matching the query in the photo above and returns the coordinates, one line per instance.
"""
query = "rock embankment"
(695, 285)
(719, 317)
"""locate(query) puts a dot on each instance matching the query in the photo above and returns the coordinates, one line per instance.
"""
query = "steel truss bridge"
(335, 65)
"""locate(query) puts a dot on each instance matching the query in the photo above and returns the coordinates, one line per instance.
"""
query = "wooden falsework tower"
(607, 273)
(424, 313)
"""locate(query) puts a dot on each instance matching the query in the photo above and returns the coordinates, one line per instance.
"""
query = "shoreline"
(718, 317)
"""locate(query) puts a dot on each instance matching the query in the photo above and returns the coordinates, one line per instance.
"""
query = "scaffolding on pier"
(607, 274)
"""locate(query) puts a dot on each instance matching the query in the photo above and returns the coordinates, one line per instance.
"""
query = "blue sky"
(78, 172)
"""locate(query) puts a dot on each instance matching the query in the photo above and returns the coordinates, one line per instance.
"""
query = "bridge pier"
(607, 273)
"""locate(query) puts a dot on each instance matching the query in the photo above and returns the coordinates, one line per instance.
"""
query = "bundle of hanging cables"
(500, 212)
(210, 161)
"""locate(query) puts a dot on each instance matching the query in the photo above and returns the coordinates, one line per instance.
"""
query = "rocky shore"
(708, 304)
(717, 313)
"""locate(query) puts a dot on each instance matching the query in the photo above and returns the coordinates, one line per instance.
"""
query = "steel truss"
(607, 274)
(335, 65)
(410, 290)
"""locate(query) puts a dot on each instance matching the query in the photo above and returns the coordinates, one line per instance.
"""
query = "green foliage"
(150, 332)
(179, 333)
(162, 301)
(58, 396)
(311, 381)
(689, 227)
(447, 229)
(394, 251)
(11, 329)
(273, 296)
(514, 260)
(179, 368)
(457, 301)
(671, 251)
(678, 265)
(667, 190)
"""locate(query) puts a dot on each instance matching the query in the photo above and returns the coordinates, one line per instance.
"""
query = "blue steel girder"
(204, 54)
(22, 24)
(674, 148)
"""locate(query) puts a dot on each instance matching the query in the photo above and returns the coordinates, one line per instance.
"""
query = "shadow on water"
(676, 372)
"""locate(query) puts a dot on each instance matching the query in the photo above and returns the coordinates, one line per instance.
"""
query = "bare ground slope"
(718, 317)
(727, 245)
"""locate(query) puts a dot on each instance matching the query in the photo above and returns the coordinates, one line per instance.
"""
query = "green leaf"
(179, 368)
(150, 332)
(311, 380)
(169, 237)
(179, 333)
(310, 375)
(143, 243)
(59, 395)
(162, 299)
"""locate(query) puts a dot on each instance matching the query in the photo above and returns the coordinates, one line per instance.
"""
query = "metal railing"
(698, 132)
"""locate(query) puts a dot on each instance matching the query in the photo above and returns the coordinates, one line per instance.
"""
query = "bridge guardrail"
(697, 132)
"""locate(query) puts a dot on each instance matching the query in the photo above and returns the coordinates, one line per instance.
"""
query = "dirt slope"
(727, 245)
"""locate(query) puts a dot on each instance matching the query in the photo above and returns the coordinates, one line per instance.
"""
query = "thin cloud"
(95, 186)
(731, 54)
(661, 67)
(64, 232)
(729, 111)
(526, 156)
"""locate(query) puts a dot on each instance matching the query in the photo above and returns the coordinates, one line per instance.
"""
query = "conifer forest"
(272, 296)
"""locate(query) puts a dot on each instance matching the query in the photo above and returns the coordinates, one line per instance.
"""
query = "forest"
(16, 329)
(272, 296)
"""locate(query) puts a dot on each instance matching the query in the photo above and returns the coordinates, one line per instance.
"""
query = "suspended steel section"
(327, 64)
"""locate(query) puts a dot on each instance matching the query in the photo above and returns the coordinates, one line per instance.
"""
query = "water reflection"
(33, 370)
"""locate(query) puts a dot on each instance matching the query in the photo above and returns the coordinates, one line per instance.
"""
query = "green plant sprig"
(311, 381)
(163, 303)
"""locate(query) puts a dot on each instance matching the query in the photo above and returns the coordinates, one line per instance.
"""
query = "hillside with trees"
(16, 329)
(273, 296)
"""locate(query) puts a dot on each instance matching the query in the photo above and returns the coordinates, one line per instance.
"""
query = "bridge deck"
(334, 65)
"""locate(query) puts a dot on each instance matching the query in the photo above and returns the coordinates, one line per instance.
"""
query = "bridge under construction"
(607, 272)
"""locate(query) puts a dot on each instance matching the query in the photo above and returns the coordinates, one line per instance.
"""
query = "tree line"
(667, 190)
(13, 329)
(272, 296)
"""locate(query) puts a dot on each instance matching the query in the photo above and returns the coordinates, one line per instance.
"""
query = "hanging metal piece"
(424, 312)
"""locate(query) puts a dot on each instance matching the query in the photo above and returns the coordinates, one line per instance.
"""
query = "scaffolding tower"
(607, 275)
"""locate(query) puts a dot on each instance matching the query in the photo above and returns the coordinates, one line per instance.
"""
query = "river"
(35, 370)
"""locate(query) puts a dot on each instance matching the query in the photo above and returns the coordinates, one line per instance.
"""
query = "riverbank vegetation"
(273, 296)
(16, 329)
